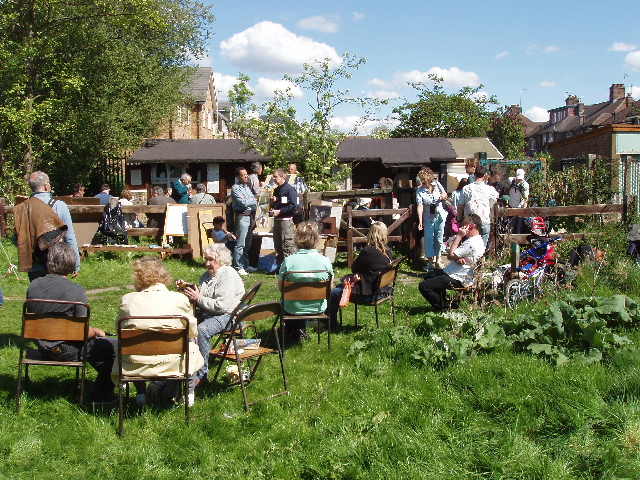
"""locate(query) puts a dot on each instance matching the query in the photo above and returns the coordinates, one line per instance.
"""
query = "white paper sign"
(213, 178)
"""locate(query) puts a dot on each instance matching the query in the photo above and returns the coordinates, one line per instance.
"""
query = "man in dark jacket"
(285, 199)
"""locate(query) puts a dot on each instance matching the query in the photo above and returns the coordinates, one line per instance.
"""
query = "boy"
(219, 234)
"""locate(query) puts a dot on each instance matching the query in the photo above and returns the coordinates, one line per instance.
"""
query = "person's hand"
(419, 225)
(74, 274)
(275, 213)
(192, 293)
(97, 332)
(462, 231)
(443, 196)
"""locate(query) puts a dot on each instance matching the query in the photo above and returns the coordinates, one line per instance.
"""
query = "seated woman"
(306, 258)
(218, 292)
(150, 279)
(130, 219)
(372, 260)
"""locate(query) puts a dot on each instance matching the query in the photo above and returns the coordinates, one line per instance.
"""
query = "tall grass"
(365, 410)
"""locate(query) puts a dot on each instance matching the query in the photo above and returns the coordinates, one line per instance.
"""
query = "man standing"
(494, 181)
(478, 198)
(285, 201)
(298, 183)
(459, 273)
(180, 189)
(30, 217)
(518, 198)
(104, 194)
(101, 350)
(244, 205)
(254, 180)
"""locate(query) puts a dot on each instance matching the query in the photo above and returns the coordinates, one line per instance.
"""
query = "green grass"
(364, 410)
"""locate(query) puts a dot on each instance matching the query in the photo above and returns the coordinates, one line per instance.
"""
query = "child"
(220, 235)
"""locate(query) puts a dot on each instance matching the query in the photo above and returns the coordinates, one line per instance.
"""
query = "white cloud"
(347, 124)
(550, 49)
(223, 84)
(357, 15)
(383, 94)
(502, 55)
(547, 84)
(320, 23)
(622, 47)
(634, 92)
(537, 114)
(378, 82)
(632, 61)
(269, 47)
(532, 48)
(266, 87)
(481, 95)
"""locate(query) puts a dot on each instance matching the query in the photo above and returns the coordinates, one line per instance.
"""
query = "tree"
(84, 81)
(312, 144)
(438, 114)
(507, 133)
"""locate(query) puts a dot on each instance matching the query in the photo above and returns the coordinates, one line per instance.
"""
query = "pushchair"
(633, 237)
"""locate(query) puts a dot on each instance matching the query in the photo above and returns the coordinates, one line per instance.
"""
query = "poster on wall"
(213, 178)
(136, 176)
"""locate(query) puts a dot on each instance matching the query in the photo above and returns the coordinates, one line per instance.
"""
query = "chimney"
(571, 100)
(616, 91)
(515, 109)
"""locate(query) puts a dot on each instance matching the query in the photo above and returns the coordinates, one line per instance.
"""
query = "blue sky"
(532, 53)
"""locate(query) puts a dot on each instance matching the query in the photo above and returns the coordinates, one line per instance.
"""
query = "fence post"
(3, 220)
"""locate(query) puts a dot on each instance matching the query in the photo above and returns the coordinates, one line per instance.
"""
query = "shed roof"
(192, 151)
(471, 146)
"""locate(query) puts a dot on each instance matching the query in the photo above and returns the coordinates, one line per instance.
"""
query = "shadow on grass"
(9, 340)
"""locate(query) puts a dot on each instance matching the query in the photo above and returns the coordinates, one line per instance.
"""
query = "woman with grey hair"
(218, 292)
(201, 197)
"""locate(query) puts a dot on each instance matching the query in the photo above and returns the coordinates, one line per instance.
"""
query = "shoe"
(428, 268)
(251, 269)
(191, 398)
(242, 272)
(298, 335)
(439, 265)
(200, 382)
(141, 399)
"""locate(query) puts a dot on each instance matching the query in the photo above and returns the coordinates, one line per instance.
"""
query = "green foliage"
(86, 80)
(438, 114)
(274, 130)
(507, 133)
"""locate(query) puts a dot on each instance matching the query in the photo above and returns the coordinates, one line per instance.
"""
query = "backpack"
(298, 215)
(112, 225)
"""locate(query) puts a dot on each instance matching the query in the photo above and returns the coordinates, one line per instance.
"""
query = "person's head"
(157, 191)
(185, 178)
(306, 235)
(365, 202)
(216, 255)
(470, 165)
(39, 182)
(494, 176)
(519, 175)
(149, 271)
(78, 190)
(476, 221)
(242, 175)
(426, 175)
(462, 183)
(256, 167)
(126, 193)
(377, 236)
(279, 176)
(201, 188)
(105, 188)
(61, 259)
(218, 223)
(293, 168)
(480, 172)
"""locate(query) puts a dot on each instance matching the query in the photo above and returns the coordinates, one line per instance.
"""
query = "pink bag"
(346, 293)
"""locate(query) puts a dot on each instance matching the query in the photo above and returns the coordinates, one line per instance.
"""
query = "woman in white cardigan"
(218, 292)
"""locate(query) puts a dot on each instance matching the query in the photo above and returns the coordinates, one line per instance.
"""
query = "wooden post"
(3, 220)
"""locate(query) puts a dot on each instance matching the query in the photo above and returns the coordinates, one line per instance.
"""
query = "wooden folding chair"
(301, 290)
(162, 341)
(52, 327)
(475, 289)
(251, 358)
(383, 288)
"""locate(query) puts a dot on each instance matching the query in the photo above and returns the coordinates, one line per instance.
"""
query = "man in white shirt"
(479, 198)
(518, 198)
(462, 256)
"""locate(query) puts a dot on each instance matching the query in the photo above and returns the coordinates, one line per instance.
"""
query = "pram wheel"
(517, 290)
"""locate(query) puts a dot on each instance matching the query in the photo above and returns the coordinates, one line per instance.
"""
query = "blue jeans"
(433, 235)
(211, 325)
(486, 228)
(244, 236)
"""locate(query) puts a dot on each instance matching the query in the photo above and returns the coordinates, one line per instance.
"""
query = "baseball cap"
(520, 174)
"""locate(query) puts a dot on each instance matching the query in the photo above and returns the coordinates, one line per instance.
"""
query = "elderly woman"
(431, 216)
(130, 219)
(218, 292)
(151, 279)
(306, 258)
(372, 260)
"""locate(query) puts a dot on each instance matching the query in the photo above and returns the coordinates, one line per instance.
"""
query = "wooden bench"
(161, 251)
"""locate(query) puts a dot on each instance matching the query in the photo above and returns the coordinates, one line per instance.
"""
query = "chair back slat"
(152, 342)
(259, 311)
(305, 290)
(54, 328)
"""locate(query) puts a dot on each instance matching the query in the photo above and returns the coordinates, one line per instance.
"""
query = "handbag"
(346, 293)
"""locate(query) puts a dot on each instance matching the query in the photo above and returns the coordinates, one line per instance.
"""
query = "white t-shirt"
(471, 249)
(478, 198)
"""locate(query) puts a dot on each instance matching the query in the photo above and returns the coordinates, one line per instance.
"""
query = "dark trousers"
(434, 284)
(101, 353)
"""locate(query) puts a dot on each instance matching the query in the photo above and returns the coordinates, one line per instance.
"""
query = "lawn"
(374, 407)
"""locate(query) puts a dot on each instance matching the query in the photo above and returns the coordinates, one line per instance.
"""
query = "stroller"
(535, 265)
(633, 237)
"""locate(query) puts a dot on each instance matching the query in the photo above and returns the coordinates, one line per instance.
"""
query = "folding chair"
(475, 289)
(383, 288)
(244, 301)
(161, 341)
(52, 327)
(301, 290)
(231, 351)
